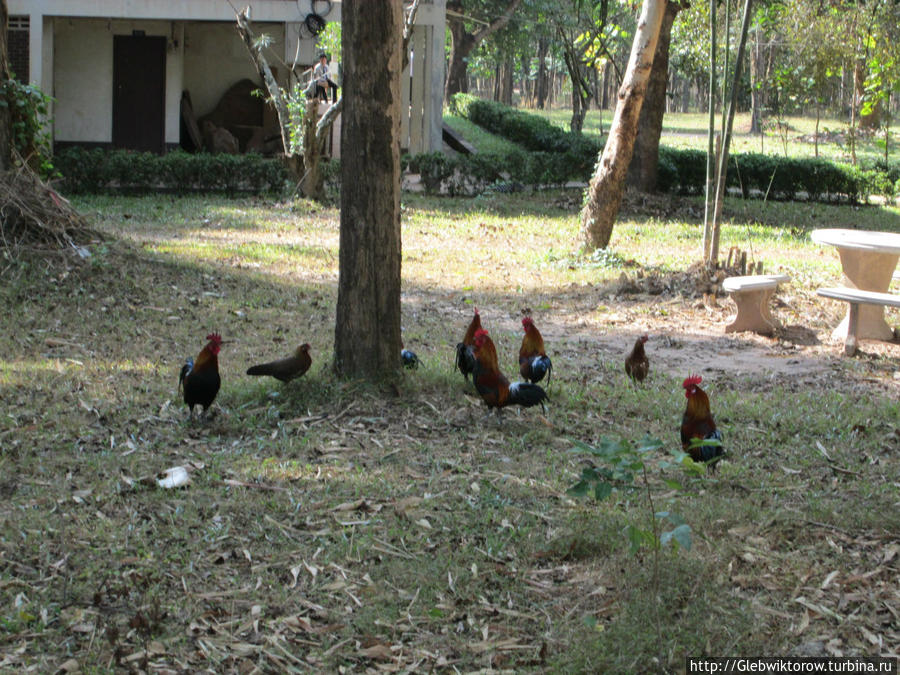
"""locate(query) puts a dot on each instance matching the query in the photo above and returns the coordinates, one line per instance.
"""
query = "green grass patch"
(333, 525)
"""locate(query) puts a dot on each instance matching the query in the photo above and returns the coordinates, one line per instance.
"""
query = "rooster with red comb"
(199, 379)
(698, 423)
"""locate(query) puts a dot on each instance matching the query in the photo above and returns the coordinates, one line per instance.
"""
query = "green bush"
(556, 156)
(97, 170)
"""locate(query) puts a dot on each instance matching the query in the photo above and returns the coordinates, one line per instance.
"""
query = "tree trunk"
(542, 79)
(5, 124)
(608, 184)
(645, 160)
(756, 93)
(576, 123)
(506, 83)
(462, 43)
(872, 119)
(367, 327)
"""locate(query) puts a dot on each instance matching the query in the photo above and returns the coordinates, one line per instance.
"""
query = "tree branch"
(407, 32)
(499, 22)
(328, 118)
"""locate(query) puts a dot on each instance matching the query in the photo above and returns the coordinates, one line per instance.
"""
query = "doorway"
(139, 92)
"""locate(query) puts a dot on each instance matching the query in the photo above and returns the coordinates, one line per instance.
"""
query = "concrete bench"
(856, 298)
(751, 294)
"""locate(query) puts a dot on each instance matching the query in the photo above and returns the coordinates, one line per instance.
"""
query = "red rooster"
(637, 365)
(496, 391)
(698, 422)
(285, 369)
(199, 379)
(465, 358)
(533, 360)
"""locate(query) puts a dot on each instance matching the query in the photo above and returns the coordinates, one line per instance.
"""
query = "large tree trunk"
(608, 184)
(367, 328)
(462, 43)
(5, 128)
(644, 162)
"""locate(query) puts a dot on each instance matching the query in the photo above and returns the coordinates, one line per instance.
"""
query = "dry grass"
(341, 526)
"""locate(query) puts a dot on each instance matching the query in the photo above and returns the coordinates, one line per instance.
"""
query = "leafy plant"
(623, 465)
(29, 109)
(625, 468)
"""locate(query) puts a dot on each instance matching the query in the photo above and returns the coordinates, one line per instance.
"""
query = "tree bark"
(462, 43)
(367, 328)
(608, 184)
(645, 161)
(506, 83)
(542, 80)
(5, 124)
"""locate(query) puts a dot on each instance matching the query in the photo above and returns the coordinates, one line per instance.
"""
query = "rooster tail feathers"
(527, 395)
(409, 359)
(263, 369)
(465, 359)
(710, 451)
(185, 371)
(541, 366)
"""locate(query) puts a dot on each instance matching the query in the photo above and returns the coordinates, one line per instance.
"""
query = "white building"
(117, 68)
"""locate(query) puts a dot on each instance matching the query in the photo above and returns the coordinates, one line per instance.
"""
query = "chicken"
(637, 365)
(495, 390)
(698, 422)
(408, 359)
(199, 380)
(285, 369)
(533, 360)
(465, 358)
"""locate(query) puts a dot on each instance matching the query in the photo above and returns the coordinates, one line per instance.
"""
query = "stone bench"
(856, 298)
(751, 294)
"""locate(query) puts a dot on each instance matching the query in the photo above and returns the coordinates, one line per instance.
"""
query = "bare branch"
(407, 32)
(499, 22)
(265, 72)
(328, 119)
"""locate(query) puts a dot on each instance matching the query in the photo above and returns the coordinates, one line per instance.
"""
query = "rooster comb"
(691, 380)
(215, 337)
(527, 321)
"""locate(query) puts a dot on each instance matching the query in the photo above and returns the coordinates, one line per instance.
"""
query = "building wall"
(215, 58)
(83, 77)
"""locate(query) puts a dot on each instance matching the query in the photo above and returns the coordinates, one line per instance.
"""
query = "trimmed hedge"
(558, 156)
(100, 170)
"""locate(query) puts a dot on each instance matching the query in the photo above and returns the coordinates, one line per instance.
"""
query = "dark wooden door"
(139, 92)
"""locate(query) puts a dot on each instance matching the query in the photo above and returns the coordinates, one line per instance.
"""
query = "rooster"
(496, 391)
(465, 358)
(408, 358)
(637, 365)
(199, 380)
(533, 360)
(698, 422)
(285, 369)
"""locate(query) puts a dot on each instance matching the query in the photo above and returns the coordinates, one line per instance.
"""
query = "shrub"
(557, 156)
(103, 170)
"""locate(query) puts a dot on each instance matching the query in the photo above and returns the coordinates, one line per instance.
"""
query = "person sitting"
(322, 77)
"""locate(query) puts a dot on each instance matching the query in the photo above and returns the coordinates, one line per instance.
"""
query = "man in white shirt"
(323, 79)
